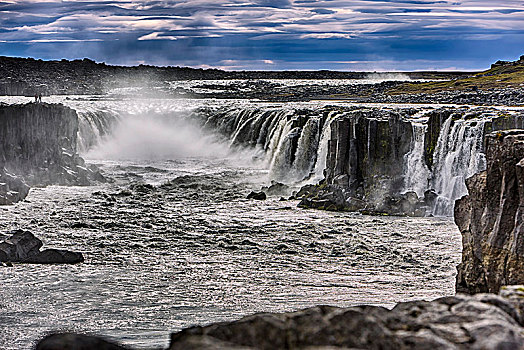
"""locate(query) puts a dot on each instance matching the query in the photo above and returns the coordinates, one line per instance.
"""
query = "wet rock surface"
(490, 218)
(257, 195)
(38, 147)
(23, 247)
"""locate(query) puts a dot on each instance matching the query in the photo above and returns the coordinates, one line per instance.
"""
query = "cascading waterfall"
(458, 155)
(306, 155)
(294, 142)
(282, 159)
(416, 172)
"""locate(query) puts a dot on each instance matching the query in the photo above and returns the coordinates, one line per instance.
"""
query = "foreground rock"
(70, 341)
(491, 218)
(23, 246)
(38, 147)
(483, 321)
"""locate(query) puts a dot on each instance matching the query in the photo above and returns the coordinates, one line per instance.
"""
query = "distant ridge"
(26, 76)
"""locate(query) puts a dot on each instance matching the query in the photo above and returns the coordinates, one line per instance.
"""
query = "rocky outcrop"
(257, 195)
(22, 246)
(491, 218)
(377, 155)
(482, 321)
(366, 151)
(38, 147)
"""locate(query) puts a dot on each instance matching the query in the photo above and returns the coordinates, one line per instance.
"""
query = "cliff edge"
(491, 218)
(37, 148)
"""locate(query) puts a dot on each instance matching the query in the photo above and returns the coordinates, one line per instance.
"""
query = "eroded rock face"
(491, 218)
(23, 246)
(483, 321)
(38, 148)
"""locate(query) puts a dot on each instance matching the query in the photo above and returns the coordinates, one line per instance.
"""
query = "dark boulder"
(276, 189)
(408, 204)
(55, 256)
(12, 188)
(69, 341)
(325, 197)
(23, 246)
(257, 195)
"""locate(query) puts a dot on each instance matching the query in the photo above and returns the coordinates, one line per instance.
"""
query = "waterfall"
(306, 155)
(281, 152)
(93, 126)
(458, 155)
(416, 172)
(293, 140)
(322, 151)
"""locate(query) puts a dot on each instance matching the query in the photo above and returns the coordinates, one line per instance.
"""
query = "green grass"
(498, 77)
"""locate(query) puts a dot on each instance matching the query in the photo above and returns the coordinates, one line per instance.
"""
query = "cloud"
(251, 31)
(157, 36)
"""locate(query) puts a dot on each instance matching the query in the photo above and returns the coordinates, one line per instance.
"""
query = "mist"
(158, 137)
(379, 77)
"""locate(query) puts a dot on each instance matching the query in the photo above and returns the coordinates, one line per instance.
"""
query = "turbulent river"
(173, 241)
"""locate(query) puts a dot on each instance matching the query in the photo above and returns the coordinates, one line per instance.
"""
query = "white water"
(171, 129)
(416, 171)
(306, 154)
(197, 251)
(292, 154)
(323, 149)
(458, 155)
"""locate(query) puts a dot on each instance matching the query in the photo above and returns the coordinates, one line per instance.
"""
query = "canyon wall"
(38, 147)
(491, 218)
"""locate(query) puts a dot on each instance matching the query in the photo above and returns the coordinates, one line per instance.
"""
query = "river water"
(173, 242)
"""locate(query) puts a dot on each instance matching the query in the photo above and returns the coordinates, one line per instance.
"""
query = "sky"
(361, 35)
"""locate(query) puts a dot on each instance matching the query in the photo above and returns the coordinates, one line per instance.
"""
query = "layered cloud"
(300, 34)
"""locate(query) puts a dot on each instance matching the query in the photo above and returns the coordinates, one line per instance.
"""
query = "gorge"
(169, 240)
